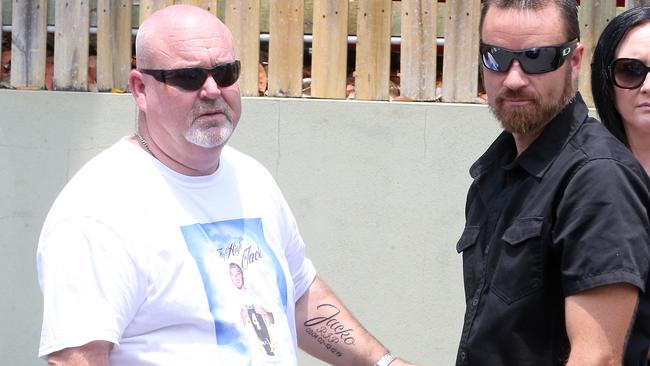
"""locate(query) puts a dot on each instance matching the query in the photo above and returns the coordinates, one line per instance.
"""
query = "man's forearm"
(598, 321)
(329, 332)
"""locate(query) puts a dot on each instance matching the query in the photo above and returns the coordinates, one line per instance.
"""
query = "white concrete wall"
(378, 190)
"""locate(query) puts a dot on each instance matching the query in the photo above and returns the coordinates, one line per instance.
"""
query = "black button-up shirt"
(567, 215)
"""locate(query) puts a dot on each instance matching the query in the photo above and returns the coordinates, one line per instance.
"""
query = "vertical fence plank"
(113, 44)
(636, 3)
(149, 6)
(594, 17)
(243, 20)
(209, 5)
(418, 49)
(329, 49)
(373, 50)
(460, 64)
(28, 43)
(72, 19)
(286, 48)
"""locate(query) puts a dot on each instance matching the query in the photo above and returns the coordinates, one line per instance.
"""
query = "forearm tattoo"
(328, 331)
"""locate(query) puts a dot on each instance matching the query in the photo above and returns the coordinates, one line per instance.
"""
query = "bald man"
(134, 257)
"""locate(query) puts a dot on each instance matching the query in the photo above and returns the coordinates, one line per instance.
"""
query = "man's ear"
(576, 59)
(136, 84)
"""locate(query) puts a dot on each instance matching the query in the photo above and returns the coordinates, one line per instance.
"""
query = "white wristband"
(386, 359)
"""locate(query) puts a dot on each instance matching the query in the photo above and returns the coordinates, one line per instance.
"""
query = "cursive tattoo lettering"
(331, 326)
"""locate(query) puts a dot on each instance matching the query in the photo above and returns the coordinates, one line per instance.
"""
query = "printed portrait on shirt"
(246, 290)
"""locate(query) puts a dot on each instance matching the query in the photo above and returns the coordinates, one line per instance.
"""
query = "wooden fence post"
(243, 20)
(113, 44)
(329, 49)
(594, 17)
(635, 3)
(460, 65)
(418, 49)
(286, 48)
(149, 6)
(373, 50)
(72, 19)
(28, 43)
(209, 5)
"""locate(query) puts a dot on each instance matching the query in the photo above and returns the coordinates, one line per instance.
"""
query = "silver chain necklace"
(144, 143)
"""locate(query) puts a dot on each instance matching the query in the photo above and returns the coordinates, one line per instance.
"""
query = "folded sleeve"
(301, 268)
(601, 231)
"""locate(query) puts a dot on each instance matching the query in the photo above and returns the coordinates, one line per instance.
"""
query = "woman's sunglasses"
(193, 78)
(536, 60)
(628, 73)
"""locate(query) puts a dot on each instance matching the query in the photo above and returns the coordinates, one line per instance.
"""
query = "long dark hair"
(602, 87)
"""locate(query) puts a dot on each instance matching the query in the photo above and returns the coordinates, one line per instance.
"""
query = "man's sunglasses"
(536, 60)
(628, 73)
(193, 78)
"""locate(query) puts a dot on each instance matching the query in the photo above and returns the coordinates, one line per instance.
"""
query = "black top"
(567, 215)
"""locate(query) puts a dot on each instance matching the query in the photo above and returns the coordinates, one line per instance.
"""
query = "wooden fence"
(377, 28)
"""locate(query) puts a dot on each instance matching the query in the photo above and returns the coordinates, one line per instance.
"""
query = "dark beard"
(532, 117)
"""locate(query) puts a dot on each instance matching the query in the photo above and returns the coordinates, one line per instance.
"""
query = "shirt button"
(475, 301)
(463, 356)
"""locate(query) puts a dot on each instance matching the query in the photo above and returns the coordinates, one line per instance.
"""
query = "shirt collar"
(539, 156)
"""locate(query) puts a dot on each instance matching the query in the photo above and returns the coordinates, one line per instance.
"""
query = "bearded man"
(556, 243)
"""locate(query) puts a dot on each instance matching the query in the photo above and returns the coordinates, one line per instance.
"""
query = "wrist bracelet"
(386, 359)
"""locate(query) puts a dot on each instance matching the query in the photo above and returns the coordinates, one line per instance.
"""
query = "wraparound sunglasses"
(628, 73)
(193, 78)
(536, 60)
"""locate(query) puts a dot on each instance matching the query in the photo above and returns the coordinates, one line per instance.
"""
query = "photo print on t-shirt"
(246, 290)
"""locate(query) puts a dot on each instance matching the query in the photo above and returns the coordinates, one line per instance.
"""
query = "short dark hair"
(602, 87)
(237, 266)
(568, 11)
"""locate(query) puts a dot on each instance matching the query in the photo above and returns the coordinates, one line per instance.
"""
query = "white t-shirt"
(138, 255)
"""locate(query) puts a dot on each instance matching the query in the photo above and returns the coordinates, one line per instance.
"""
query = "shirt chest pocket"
(519, 268)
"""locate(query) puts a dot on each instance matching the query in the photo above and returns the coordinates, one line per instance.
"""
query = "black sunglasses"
(628, 73)
(193, 78)
(536, 60)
